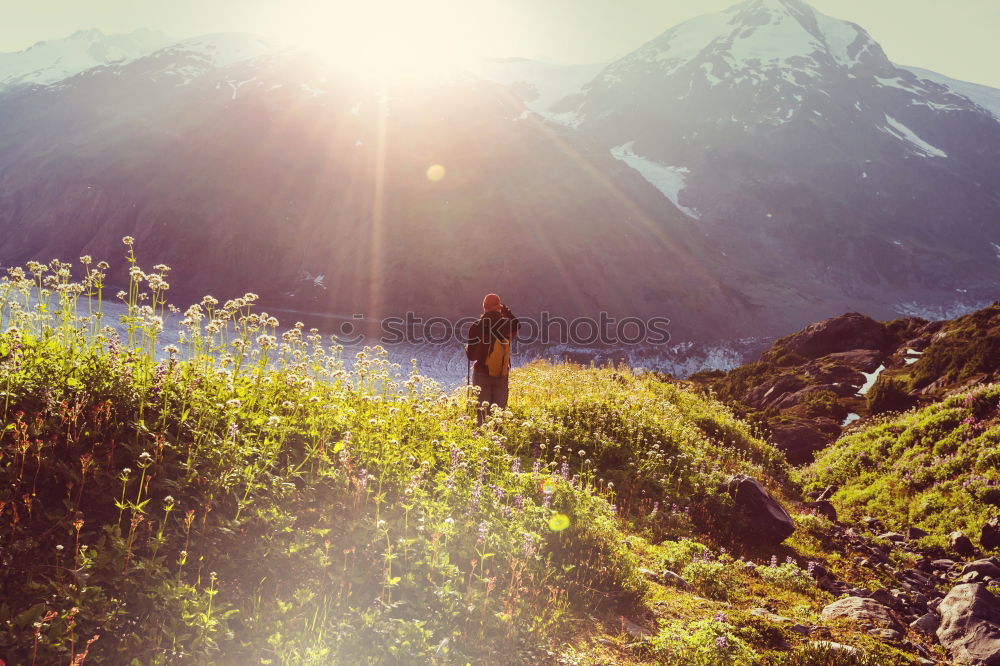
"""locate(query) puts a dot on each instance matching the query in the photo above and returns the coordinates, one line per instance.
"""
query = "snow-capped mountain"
(187, 60)
(805, 154)
(51, 61)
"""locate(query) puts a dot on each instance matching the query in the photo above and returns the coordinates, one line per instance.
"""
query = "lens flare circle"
(435, 173)
(558, 522)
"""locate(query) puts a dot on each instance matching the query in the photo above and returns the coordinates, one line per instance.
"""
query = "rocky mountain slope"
(985, 96)
(794, 143)
(809, 387)
(930, 478)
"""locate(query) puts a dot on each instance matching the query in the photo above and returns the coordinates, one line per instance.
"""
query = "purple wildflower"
(477, 490)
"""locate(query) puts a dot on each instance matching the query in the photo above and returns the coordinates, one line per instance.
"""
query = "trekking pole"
(468, 382)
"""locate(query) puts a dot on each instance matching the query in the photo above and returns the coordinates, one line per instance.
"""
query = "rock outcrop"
(838, 334)
(768, 519)
(970, 625)
(866, 612)
(989, 537)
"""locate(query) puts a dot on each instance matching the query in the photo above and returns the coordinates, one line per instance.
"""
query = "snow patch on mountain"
(222, 49)
(187, 61)
(667, 179)
(845, 41)
(870, 379)
(52, 61)
(755, 37)
(896, 82)
(685, 41)
(777, 41)
(985, 96)
(904, 133)
(566, 118)
(236, 85)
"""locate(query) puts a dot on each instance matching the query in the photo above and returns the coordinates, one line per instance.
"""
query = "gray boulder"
(676, 580)
(866, 612)
(827, 493)
(989, 538)
(769, 521)
(982, 570)
(823, 508)
(839, 334)
(961, 544)
(892, 536)
(882, 596)
(927, 624)
(837, 647)
(970, 625)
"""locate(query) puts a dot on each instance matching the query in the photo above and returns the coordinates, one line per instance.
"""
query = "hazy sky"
(958, 38)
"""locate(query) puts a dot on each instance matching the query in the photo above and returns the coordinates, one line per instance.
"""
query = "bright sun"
(385, 38)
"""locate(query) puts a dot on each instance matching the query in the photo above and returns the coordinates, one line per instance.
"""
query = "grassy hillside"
(961, 350)
(933, 468)
(245, 497)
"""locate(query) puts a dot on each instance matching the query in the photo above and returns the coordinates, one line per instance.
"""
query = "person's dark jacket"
(502, 325)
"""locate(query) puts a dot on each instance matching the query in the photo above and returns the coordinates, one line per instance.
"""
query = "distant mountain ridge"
(54, 60)
(741, 184)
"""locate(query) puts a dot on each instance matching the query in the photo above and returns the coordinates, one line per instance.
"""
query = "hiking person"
(489, 346)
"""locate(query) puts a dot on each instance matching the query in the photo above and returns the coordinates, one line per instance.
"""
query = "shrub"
(888, 395)
(929, 468)
(711, 578)
(788, 576)
(703, 642)
(822, 403)
(678, 554)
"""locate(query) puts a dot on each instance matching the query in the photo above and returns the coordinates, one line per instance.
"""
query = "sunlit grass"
(244, 497)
